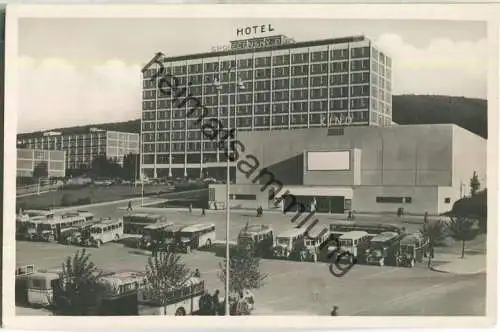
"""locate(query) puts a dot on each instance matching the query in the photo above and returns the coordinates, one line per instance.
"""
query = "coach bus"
(180, 301)
(134, 223)
(51, 230)
(259, 237)
(289, 243)
(153, 234)
(121, 293)
(195, 236)
(106, 231)
(338, 228)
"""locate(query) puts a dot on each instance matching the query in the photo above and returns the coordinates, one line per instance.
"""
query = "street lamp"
(218, 86)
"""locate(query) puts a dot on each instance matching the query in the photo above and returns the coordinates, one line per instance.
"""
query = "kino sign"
(254, 29)
(340, 120)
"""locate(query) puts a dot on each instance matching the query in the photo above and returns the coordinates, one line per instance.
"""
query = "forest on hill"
(468, 113)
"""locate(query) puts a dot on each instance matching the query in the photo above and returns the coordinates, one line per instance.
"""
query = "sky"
(88, 71)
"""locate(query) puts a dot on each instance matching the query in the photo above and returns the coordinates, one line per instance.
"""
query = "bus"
(181, 301)
(120, 293)
(134, 223)
(195, 236)
(353, 243)
(152, 235)
(314, 240)
(339, 227)
(39, 213)
(80, 213)
(106, 231)
(259, 237)
(40, 287)
(55, 229)
(289, 243)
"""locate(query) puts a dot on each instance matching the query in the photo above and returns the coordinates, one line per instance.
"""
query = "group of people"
(212, 305)
(203, 212)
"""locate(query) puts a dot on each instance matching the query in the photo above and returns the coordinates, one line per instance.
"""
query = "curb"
(436, 269)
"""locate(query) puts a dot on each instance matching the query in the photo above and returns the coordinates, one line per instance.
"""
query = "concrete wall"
(469, 155)
(262, 197)
(415, 155)
(423, 199)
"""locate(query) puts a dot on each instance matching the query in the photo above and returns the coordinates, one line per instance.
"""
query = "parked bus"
(354, 243)
(51, 230)
(259, 237)
(134, 223)
(413, 248)
(106, 231)
(21, 286)
(80, 213)
(29, 229)
(383, 249)
(152, 235)
(339, 227)
(195, 236)
(40, 288)
(289, 243)
(179, 302)
(314, 241)
(39, 213)
(121, 293)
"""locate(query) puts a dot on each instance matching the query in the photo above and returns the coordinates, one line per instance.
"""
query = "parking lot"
(294, 287)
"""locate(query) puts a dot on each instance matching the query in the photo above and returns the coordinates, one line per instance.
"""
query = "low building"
(81, 149)
(367, 169)
(51, 162)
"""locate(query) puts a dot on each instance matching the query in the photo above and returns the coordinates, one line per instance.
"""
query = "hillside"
(470, 114)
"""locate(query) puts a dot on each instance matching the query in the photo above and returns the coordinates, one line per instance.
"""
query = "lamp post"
(218, 86)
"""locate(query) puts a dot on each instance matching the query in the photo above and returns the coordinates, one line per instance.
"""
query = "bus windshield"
(283, 241)
(185, 236)
(346, 242)
(96, 230)
(147, 232)
(46, 227)
(310, 242)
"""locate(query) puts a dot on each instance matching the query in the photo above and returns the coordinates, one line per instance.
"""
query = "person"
(129, 208)
(203, 214)
(259, 211)
(197, 273)
(190, 208)
(349, 215)
(334, 311)
(205, 304)
(216, 302)
(241, 305)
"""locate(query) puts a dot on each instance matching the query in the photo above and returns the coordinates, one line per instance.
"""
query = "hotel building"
(267, 84)
(81, 149)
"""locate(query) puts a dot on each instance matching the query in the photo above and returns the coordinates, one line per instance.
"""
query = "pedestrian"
(216, 302)
(197, 273)
(129, 208)
(334, 311)
(190, 208)
(240, 305)
(203, 214)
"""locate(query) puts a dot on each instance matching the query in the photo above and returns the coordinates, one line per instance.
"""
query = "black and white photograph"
(231, 163)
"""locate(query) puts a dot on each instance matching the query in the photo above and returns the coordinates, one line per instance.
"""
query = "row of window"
(277, 60)
(392, 199)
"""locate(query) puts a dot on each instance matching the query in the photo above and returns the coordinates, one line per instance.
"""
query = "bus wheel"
(117, 237)
(180, 312)
(209, 243)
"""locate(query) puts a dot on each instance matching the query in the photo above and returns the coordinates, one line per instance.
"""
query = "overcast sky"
(84, 71)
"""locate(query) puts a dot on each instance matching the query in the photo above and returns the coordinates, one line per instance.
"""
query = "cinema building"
(82, 148)
(367, 169)
(275, 84)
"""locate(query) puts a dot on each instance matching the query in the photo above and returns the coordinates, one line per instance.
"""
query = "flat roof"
(159, 225)
(353, 235)
(317, 231)
(320, 42)
(384, 236)
(256, 229)
(196, 227)
(292, 232)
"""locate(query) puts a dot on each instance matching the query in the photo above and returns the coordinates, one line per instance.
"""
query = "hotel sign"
(254, 29)
(257, 42)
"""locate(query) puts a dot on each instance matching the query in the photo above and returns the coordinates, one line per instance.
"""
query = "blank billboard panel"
(329, 161)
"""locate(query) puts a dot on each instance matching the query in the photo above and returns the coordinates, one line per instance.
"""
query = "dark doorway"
(336, 204)
(324, 204)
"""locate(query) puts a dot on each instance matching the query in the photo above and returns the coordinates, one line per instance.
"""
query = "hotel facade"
(52, 161)
(266, 84)
(81, 149)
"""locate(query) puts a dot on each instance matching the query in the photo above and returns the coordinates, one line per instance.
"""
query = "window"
(447, 200)
(389, 199)
(407, 199)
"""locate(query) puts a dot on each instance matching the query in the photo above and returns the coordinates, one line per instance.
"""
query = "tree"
(165, 272)
(461, 229)
(78, 292)
(41, 170)
(474, 207)
(131, 168)
(474, 184)
(104, 167)
(434, 233)
(244, 270)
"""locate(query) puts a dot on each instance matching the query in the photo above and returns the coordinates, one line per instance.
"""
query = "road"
(294, 287)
